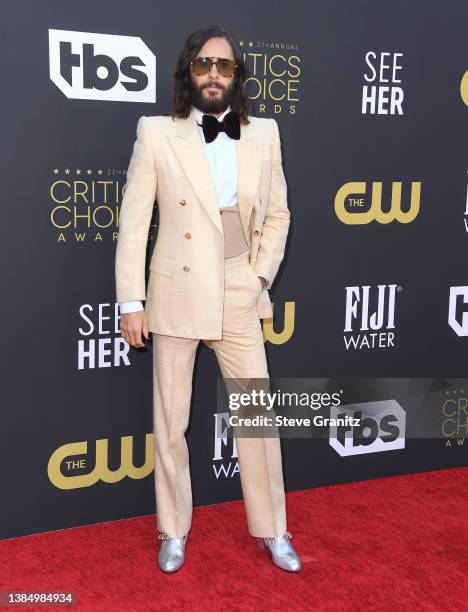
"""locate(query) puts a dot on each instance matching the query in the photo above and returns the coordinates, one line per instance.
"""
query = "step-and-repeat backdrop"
(371, 101)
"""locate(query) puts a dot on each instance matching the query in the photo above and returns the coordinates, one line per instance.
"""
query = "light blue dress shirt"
(222, 159)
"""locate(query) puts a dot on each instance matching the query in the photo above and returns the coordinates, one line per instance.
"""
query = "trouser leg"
(241, 355)
(173, 363)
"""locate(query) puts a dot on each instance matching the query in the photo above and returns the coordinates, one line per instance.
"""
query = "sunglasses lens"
(202, 65)
(225, 67)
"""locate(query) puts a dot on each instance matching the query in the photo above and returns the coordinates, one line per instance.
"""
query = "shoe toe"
(283, 554)
(291, 563)
(171, 564)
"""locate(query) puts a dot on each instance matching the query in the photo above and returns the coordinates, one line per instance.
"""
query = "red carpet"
(389, 544)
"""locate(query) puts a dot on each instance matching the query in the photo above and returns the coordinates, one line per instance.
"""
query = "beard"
(214, 103)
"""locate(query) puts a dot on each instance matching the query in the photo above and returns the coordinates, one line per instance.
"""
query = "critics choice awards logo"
(274, 69)
(85, 204)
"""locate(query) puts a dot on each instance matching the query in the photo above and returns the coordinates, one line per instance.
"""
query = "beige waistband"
(234, 239)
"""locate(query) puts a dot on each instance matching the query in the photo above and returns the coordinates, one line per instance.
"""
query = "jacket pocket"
(256, 280)
(161, 265)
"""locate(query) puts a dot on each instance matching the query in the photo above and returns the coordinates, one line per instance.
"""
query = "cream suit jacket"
(185, 291)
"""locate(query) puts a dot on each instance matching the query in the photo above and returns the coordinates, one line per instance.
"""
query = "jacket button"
(188, 235)
(185, 268)
(256, 233)
(182, 202)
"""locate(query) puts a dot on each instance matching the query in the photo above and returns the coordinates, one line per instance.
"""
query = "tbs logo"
(90, 66)
(381, 428)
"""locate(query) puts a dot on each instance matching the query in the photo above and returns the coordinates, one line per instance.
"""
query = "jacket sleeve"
(134, 219)
(277, 216)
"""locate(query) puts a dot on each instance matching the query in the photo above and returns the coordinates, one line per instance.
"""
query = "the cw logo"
(349, 192)
(464, 88)
(101, 469)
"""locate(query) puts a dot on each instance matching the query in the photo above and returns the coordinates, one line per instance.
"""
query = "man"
(217, 175)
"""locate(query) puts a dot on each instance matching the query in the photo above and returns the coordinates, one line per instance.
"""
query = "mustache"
(213, 84)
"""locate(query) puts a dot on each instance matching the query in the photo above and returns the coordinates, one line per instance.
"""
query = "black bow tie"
(212, 127)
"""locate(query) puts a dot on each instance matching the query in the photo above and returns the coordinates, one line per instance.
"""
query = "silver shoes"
(171, 554)
(282, 552)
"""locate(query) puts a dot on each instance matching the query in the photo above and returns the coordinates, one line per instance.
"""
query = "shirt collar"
(199, 114)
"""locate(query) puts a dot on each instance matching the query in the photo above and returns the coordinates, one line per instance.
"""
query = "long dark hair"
(181, 95)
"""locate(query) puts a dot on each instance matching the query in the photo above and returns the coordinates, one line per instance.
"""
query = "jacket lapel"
(190, 150)
(249, 165)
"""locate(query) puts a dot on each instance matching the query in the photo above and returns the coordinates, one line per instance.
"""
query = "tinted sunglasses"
(225, 67)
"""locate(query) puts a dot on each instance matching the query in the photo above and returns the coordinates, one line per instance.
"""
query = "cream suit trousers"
(240, 354)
